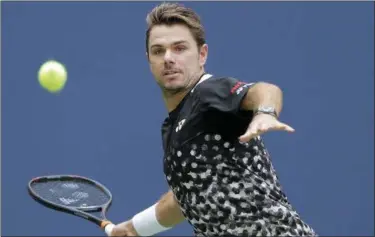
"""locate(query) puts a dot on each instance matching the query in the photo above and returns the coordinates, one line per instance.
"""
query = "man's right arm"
(168, 211)
(165, 214)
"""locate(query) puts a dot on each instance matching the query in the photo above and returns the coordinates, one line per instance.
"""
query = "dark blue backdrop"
(106, 123)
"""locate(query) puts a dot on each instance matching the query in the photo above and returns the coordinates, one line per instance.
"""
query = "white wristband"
(146, 224)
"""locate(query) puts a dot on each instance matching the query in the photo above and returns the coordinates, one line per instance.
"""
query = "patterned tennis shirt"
(224, 187)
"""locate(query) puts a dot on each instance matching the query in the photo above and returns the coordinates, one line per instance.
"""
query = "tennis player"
(219, 172)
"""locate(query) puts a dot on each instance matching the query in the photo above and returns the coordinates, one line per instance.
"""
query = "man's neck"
(172, 100)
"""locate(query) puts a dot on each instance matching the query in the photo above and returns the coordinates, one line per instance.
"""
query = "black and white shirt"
(224, 187)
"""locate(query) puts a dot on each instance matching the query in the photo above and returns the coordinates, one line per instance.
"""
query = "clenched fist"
(124, 229)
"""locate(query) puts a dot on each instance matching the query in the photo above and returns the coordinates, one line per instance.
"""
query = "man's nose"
(169, 56)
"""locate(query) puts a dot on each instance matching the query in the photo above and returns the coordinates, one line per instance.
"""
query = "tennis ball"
(52, 76)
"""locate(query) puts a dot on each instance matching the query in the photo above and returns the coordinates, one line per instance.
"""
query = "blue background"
(106, 122)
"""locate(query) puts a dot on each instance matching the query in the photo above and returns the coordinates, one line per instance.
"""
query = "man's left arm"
(266, 100)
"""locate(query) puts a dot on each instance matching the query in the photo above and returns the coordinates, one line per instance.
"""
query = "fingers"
(285, 127)
(257, 128)
(123, 229)
(250, 133)
(119, 231)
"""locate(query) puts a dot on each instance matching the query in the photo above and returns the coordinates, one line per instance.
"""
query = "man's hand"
(262, 123)
(124, 229)
(165, 214)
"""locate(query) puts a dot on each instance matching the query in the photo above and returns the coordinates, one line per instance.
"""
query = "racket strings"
(71, 193)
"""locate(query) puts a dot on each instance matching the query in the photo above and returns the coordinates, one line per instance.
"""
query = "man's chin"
(174, 89)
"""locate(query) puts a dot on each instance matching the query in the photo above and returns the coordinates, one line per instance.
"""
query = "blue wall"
(106, 123)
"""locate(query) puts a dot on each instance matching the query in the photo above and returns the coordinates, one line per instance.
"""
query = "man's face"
(174, 57)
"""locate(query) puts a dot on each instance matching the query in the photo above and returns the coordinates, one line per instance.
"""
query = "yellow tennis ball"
(52, 76)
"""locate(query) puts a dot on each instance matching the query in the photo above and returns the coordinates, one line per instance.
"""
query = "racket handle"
(108, 228)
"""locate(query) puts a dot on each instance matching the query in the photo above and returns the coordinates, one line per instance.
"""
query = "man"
(220, 175)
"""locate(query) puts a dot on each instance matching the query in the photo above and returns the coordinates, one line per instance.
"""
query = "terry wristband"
(146, 224)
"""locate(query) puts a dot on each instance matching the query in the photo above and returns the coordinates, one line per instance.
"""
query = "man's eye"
(157, 51)
(180, 48)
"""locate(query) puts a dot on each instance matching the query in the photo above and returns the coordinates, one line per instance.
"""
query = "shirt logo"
(180, 124)
(239, 87)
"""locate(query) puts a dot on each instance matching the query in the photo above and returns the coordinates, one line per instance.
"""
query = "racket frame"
(82, 212)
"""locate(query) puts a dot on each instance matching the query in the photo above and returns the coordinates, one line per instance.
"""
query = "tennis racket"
(76, 195)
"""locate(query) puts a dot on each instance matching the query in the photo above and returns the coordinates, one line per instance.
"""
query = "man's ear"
(148, 59)
(203, 54)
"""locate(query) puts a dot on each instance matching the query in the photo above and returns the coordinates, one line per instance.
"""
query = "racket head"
(72, 193)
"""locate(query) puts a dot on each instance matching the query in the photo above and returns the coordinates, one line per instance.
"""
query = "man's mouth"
(170, 72)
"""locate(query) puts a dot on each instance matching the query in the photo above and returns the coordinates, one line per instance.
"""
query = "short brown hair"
(174, 13)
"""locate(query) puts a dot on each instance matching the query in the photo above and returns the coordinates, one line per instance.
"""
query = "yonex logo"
(180, 124)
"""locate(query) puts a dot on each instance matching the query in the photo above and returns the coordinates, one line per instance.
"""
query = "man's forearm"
(263, 94)
(159, 217)
(168, 211)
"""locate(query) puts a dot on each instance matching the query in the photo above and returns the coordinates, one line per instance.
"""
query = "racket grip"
(108, 228)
